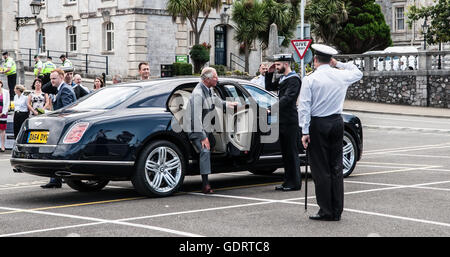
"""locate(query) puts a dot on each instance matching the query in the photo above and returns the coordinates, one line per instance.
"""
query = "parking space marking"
(393, 171)
(73, 205)
(117, 222)
(391, 163)
(421, 155)
(404, 148)
(261, 201)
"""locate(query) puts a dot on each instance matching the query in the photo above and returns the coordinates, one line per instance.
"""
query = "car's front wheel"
(160, 169)
(349, 152)
(86, 185)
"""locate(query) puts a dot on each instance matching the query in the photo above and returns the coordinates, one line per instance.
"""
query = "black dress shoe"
(286, 188)
(324, 218)
(51, 185)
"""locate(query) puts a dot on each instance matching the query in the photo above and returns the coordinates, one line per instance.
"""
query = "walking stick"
(306, 179)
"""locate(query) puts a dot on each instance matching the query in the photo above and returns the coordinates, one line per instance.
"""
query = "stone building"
(128, 32)
(395, 14)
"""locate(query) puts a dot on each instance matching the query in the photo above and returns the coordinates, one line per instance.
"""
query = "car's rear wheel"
(263, 171)
(349, 152)
(160, 169)
(86, 185)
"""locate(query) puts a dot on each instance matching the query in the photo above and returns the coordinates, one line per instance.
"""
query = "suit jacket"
(288, 91)
(6, 101)
(201, 102)
(64, 97)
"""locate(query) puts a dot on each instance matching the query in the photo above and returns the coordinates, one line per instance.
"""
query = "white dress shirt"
(20, 103)
(259, 80)
(323, 92)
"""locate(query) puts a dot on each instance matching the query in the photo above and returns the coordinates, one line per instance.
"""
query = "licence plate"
(37, 137)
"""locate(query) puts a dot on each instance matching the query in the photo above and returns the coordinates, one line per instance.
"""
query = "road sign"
(301, 46)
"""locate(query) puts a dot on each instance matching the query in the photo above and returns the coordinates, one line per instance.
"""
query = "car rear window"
(106, 98)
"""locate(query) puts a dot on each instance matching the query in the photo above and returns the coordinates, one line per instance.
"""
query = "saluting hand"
(305, 141)
(333, 62)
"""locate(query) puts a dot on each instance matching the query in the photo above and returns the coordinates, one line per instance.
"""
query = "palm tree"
(285, 14)
(326, 18)
(190, 10)
(250, 19)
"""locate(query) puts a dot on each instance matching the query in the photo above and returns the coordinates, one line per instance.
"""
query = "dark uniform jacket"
(288, 91)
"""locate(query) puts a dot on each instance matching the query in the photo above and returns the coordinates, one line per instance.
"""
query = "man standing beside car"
(201, 103)
(320, 106)
(64, 97)
(288, 87)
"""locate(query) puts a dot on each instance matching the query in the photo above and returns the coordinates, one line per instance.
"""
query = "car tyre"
(86, 185)
(160, 169)
(349, 154)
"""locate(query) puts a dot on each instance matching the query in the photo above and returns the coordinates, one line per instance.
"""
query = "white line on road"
(404, 148)
(393, 171)
(171, 231)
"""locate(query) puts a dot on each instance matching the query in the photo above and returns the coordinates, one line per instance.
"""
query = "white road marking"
(421, 155)
(393, 171)
(261, 201)
(404, 148)
(117, 222)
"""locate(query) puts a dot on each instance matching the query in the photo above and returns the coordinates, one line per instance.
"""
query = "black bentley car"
(126, 132)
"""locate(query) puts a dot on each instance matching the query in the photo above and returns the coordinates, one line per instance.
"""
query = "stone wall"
(409, 88)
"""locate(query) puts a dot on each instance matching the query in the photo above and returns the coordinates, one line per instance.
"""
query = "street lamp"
(36, 6)
(425, 31)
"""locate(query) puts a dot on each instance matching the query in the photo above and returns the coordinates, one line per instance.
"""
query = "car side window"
(263, 98)
(152, 101)
(236, 94)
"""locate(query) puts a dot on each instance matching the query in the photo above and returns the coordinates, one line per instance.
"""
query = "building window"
(72, 38)
(191, 38)
(40, 39)
(109, 36)
(400, 18)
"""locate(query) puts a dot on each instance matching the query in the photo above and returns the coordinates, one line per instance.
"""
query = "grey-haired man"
(203, 100)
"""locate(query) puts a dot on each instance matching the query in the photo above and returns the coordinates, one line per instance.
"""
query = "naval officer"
(288, 87)
(320, 106)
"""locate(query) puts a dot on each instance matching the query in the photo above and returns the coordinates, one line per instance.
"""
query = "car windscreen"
(106, 98)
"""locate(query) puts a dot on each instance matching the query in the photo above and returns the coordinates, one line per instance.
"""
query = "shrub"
(182, 69)
(221, 69)
(200, 56)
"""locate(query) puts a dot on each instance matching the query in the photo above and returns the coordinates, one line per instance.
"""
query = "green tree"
(438, 31)
(326, 18)
(365, 29)
(250, 20)
(200, 56)
(285, 14)
(190, 10)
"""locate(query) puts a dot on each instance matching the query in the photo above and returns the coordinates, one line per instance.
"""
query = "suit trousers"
(289, 150)
(19, 119)
(12, 80)
(205, 157)
(325, 156)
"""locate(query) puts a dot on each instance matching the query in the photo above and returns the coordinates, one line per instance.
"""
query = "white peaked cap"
(321, 49)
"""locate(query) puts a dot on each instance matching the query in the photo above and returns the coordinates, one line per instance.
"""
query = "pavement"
(382, 108)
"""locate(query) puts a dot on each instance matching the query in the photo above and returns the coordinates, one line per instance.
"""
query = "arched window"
(108, 37)
(72, 39)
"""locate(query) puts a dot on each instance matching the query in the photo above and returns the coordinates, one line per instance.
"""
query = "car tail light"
(75, 133)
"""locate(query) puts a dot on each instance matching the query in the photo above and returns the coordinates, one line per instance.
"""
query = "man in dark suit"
(65, 96)
(288, 87)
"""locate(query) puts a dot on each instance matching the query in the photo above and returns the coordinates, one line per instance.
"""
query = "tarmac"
(382, 108)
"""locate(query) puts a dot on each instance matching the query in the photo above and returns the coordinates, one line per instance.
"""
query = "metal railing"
(84, 63)
(235, 60)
